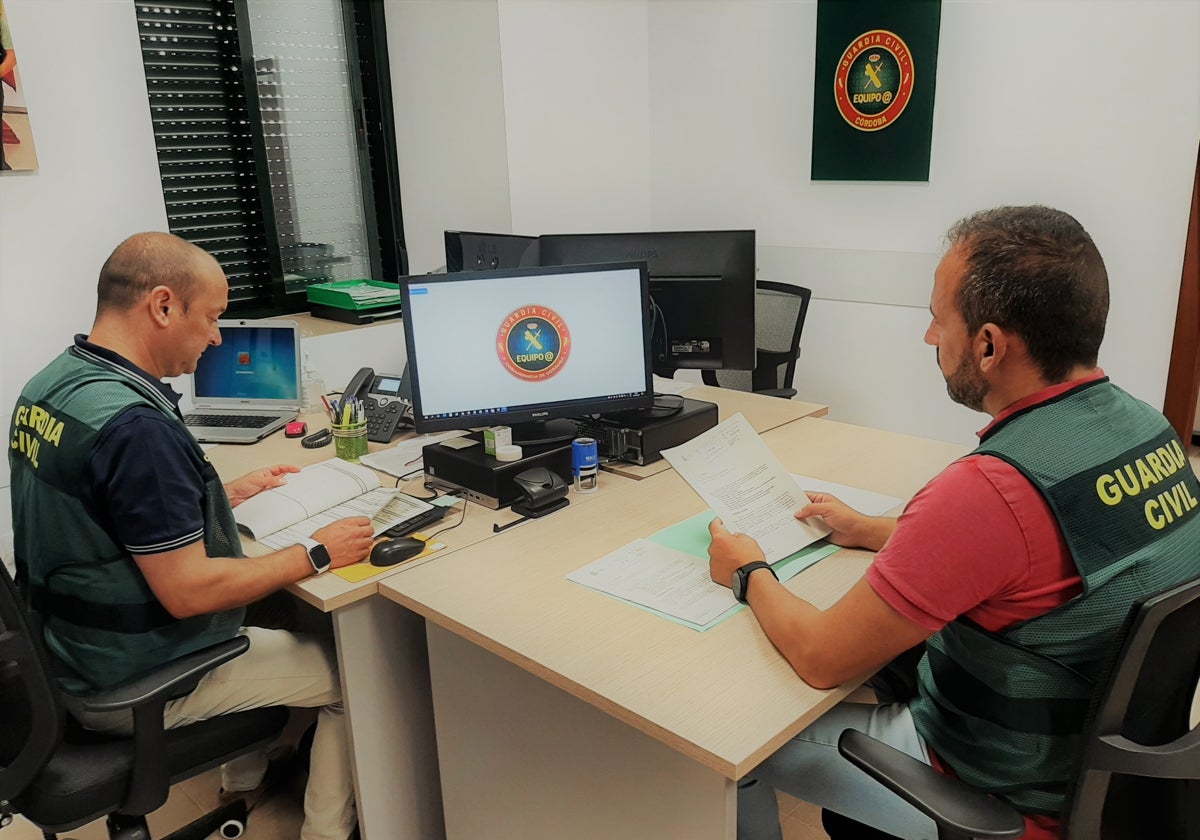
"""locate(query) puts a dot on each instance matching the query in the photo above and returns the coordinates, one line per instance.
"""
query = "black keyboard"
(229, 421)
(416, 523)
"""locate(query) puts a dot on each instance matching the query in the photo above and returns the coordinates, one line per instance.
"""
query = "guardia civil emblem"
(874, 80)
(533, 343)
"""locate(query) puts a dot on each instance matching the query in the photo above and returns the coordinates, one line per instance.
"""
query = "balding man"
(1016, 565)
(124, 535)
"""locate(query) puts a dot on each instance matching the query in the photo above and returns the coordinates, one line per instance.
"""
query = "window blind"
(205, 139)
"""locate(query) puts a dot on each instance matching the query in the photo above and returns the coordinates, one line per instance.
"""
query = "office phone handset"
(381, 394)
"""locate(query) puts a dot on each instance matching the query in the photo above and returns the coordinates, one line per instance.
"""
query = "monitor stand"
(543, 431)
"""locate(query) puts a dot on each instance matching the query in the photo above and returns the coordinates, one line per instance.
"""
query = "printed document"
(661, 578)
(317, 496)
(731, 468)
(405, 458)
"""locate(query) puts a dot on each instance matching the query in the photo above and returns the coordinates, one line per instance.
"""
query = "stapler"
(543, 491)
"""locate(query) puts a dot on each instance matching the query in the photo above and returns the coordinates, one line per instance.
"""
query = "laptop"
(248, 386)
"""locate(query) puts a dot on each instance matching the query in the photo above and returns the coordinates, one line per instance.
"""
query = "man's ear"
(161, 301)
(991, 346)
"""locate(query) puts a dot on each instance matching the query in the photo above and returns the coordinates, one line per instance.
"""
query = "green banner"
(873, 89)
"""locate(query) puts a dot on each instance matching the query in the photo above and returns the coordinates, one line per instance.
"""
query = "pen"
(329, 408)
(346, 408)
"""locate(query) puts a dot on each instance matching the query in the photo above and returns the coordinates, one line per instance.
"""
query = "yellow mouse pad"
(361, 571)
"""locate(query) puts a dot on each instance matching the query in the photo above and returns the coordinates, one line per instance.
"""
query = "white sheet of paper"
(368, 505)
(732, 469)
(660, 578)
(662, 385)
(863, 501)
(405, 456)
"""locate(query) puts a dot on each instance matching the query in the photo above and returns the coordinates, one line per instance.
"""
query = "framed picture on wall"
(16, 137)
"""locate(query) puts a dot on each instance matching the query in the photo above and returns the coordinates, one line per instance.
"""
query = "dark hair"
(1034, 270)
(146, 260)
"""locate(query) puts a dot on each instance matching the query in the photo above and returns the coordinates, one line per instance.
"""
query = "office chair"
(1140, 759)
(60, 777)
(779, 312)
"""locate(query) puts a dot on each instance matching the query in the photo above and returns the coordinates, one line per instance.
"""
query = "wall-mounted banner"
(874, 80)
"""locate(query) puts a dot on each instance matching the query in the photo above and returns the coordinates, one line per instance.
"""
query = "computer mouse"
(389, 552)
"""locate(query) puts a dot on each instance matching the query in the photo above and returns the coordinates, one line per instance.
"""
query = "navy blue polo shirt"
(144, 473)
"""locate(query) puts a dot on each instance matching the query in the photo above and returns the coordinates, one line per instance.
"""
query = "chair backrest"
(30, 705)
(779, 313)
(1140, 759)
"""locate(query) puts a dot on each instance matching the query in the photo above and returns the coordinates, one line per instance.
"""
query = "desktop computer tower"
(640, 437)
(482, 479)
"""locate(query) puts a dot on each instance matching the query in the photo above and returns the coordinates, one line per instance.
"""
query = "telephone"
(385, 399)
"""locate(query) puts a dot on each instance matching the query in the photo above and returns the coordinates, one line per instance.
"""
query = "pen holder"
(350, 442)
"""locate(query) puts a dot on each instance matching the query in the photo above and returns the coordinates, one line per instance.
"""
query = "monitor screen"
(254, 361)
(468, 251)
(701, 283)
(522, 347)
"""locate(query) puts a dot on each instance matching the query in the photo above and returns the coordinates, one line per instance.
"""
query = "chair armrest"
(176, 678)
(782, 393)
(149, 782)
(946, 800)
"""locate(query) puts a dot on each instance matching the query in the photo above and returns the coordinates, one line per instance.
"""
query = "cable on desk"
(460, 519)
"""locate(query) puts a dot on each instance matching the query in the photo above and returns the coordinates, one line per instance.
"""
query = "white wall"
(448, 95)
(1055, 101)
(97, 182)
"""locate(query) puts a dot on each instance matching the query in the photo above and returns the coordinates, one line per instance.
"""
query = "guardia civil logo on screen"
(533, 343)
(874, 80)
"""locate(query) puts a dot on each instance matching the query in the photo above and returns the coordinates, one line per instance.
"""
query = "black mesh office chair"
(60, 777)
(779, 312)
(1139, 767)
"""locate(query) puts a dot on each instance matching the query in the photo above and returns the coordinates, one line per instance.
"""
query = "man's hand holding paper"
(748, 488)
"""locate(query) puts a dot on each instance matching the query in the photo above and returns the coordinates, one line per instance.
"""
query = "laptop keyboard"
(228, 421)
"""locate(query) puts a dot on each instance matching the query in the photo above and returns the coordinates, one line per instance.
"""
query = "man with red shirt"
(1015, 566)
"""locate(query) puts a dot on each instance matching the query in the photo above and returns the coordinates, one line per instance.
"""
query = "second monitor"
(701, 282)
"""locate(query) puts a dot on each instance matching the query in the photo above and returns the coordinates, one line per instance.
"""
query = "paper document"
(662, 385)
(732, 469)
(661, 578)
(863, 501)
(319, 495)
(369, 504)
(405, 457)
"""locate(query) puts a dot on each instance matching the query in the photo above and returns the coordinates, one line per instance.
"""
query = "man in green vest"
(124, 536)
(1015, 566)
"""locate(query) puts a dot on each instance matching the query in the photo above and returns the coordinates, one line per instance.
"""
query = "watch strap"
(309, 546)
(744, 573)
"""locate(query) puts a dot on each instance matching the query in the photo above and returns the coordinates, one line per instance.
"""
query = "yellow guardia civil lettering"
(33, 426)
(1141, 475)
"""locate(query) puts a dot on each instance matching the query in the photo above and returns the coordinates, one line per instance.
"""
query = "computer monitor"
(701, 283)
(527, 348)
(469, 251)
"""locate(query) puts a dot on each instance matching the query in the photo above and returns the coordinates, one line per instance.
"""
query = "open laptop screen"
(252, 362)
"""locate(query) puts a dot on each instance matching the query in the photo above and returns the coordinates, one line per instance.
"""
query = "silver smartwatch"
(318, 555)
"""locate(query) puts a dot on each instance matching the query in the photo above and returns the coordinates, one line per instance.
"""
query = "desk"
(562, 712)
(762, 413)
(382, 655)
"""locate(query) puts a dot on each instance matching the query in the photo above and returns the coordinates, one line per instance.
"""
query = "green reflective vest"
(1005, 710)
(101, 620)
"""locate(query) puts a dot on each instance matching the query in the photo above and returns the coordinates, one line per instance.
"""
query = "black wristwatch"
(318, 555)
(741, 578)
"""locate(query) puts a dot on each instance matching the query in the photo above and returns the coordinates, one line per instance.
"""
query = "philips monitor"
(701, 283)
(468, 251)
(527, 348)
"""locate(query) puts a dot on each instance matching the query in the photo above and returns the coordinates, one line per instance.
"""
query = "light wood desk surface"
(762, 413)
(673, 683)
(328, 592)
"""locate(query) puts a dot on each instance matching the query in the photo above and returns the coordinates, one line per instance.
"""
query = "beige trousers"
(280, 669)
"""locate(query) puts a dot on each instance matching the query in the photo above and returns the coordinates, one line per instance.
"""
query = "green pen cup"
(350, 442)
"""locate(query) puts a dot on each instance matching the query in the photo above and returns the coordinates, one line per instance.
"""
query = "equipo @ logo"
(533, 343)
(874, 80)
